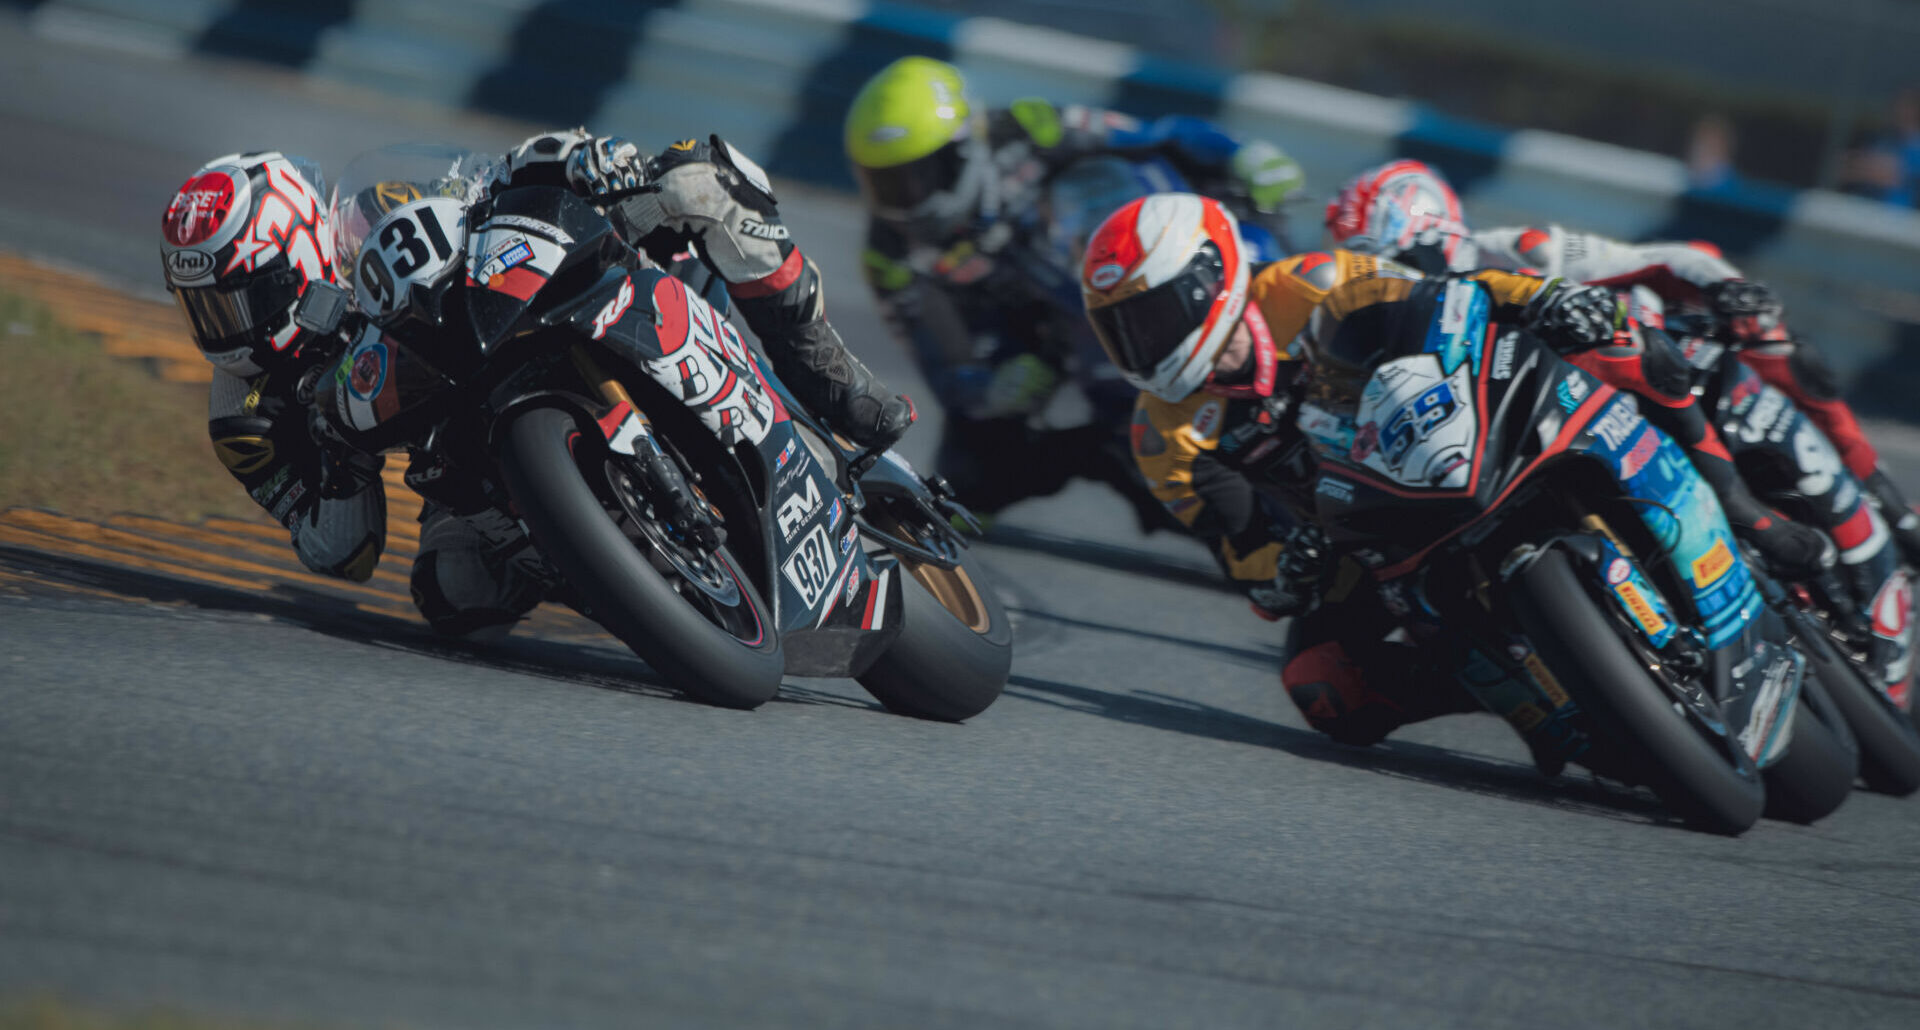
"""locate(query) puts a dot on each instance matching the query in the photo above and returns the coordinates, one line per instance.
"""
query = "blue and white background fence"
(775, 76)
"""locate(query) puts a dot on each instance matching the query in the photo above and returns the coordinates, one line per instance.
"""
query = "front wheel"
(955, 646)
(1707, 784)
(704, 627)
(1816, 774)
(1889, 744)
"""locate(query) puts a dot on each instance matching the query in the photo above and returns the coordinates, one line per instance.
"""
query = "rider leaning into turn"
(948, 185)
(247, 234)
(1216, 347)
(1406, 211)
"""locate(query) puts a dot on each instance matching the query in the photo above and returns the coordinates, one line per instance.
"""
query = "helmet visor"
(1140, 331)
(907, 191)
(225, 316)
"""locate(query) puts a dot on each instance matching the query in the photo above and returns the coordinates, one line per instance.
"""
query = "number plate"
(811, 566)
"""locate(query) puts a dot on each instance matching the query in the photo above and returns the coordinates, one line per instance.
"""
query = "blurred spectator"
(1888, 169)
(1710, 154)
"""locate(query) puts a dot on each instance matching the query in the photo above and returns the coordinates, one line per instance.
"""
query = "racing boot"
(838, 387)
(1899, 514)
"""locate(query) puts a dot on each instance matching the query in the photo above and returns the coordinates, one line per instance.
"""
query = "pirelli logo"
(1641, 608)
(1709, 567)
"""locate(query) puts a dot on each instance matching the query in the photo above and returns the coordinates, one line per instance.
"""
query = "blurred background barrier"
(775, 77)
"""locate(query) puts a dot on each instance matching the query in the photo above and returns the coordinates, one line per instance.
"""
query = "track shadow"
(1263, 658)
(1111, 556)
(1395, 759)
(598, 665)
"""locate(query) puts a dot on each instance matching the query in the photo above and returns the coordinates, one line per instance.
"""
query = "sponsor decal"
(1643, 451)
(1640, 608)
(833, 514)
(525, 224)
(760, 230)
(1503, 356)
(850, 540)
(1617, 571)
(801, 460)
(1548, 683)
(853, 586)
(683, 145)
(798, 508)
(1206, 421)
(810, 567)
(185, 266)
(514, 251)
(1105, 276)
(1338, 489)
(610, 313)
(1770, 409)
(1573, 389)
(1617, 424)
(786, 454)
(1525, 716)
(199, 209)
(369, 373)
(1709, 567)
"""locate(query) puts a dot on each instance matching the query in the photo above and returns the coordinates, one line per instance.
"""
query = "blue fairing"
(1685, 516)
(1458, 331)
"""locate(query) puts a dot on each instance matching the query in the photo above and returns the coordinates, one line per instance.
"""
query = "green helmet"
(918, 144)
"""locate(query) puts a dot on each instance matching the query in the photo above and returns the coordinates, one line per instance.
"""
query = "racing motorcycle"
(534, 362)
(1864, 658)
(1501, 496)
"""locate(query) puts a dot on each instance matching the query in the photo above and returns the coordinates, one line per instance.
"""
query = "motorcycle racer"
(1224, 431)
(1406, 210)
(248, 236)
(950, 186)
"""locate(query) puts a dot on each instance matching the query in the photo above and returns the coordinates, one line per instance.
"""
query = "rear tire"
(1889, 744)
(1816, 774)
(954, 650)
(1702, 782)
(620, 586)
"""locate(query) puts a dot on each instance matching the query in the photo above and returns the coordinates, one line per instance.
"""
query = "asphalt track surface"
(275, 814)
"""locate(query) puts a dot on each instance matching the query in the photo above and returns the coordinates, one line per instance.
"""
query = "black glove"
(1572, 318)
(344, 471)
(1749, 310)
(1295, 589)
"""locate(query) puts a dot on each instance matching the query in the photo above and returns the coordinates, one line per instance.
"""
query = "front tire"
(1816, 774)
(1889, 744)
(1709, 786)
(954, 650)
(621, 588)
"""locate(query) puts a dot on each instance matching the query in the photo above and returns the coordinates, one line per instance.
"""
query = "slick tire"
(619, 585)
(1889, 744)
(954, 650)
(1816, 774)
(1698, 780)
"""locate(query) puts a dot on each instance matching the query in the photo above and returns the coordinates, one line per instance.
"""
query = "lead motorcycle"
(1500, 495)
(534, 362)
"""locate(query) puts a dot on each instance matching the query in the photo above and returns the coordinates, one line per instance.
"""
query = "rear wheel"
(695, 618)
(1889, 744)
(1703, 781)
(955, 646)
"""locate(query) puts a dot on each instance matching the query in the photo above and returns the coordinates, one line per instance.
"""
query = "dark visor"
(899, 190)
(223, 317)
(1140, 331)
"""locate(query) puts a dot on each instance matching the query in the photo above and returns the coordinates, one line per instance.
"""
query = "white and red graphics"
(611, 312)
(507, 258)
(415, 243)
(288, 219)
(706, 364)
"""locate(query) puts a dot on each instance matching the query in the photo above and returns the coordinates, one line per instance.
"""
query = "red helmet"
(239, 244)
(1165, 281)
(1401, 210)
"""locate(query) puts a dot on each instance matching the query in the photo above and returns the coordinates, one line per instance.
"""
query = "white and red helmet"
(239, 244)
(1403, 210)
(1165, 281)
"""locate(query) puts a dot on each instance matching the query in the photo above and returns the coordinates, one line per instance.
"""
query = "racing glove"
(1572, 318)
(1267, 174)
(593, 166)
(1749, 310)
(1295, 589)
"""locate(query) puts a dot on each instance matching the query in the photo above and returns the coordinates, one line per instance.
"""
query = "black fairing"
(591, 248)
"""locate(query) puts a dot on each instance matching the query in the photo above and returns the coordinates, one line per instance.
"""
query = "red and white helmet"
(239, 244)
(1405, 211)
(1165, 281)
